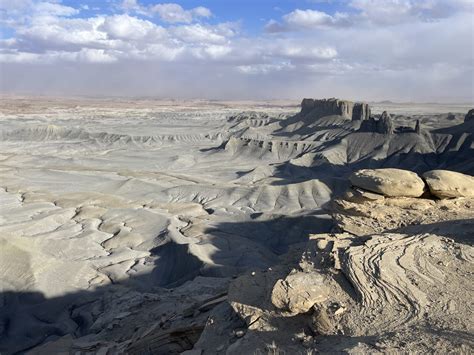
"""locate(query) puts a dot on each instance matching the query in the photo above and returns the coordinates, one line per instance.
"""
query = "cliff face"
(325, 107)
(383, 125)
(469, 116)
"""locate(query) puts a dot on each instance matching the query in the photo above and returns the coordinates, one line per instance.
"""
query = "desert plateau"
(162, 227)
(236, 177)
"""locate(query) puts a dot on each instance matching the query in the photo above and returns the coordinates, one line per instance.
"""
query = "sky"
(400, 50)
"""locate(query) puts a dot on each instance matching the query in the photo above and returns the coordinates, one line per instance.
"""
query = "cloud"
(198, 33)
(400, 11)
(290, 50)
(127, 27)
(265, 69)
(174, 13)
(307, 19)
(371, 12)
(52, 33)
(402, 49)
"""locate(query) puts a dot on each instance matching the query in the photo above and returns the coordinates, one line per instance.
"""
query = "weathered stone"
(360, 196)
(360, 111)
(299, 291)
(389, 182)
(449, 184)
(384, 124)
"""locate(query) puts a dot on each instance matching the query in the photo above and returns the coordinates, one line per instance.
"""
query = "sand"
(123, 222)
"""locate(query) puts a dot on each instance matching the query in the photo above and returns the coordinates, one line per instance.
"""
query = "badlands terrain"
(162, 227)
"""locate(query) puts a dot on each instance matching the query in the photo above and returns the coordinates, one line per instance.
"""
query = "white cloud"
(131, 28)
(201, 11)
(174, 13)
(290, 50)
(85, 55)
(308, 18)
(403, 48)
(53, 9)
(257, 69)
(198, 33)
(399, 11)
(130, 5)
(212, 51)
(371, 12)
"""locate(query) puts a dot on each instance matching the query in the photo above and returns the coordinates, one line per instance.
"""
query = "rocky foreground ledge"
(395, 276)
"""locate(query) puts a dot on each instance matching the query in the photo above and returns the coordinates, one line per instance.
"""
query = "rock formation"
(299, 292)
(360, 112)
(383, 125)
(327, 107)
(449, 184)
(469, 116)
(417, 127)
(389, 182)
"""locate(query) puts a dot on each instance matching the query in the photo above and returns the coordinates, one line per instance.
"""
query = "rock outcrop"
(299, 292)
(361, 111)
(469, 116)
(449, 184)
(327, 107)
(417, 127)
(389, 182)
(383, 125)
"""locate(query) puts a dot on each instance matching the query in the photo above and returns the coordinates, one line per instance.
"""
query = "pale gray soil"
(123, 223)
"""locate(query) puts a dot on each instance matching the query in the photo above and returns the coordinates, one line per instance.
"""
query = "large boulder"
(389, 182)
(299, 291)
(449, 184)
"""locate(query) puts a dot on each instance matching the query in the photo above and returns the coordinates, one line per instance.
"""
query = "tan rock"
(299, 291)
(360, 196)
(389, 182)
(449, 184)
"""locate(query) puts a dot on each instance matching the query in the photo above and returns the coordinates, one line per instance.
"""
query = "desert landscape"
(281, 227)
(284, 177)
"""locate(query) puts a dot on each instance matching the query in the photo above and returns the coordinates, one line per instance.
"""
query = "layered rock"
(389, 182)
(360, 111)
(327, 107)
(299, 292)
(383, 125)
(449, 184)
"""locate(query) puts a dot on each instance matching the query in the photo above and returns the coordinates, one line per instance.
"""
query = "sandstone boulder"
(389, 182)
(360, 196)
(299, 291)
(449, 184)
